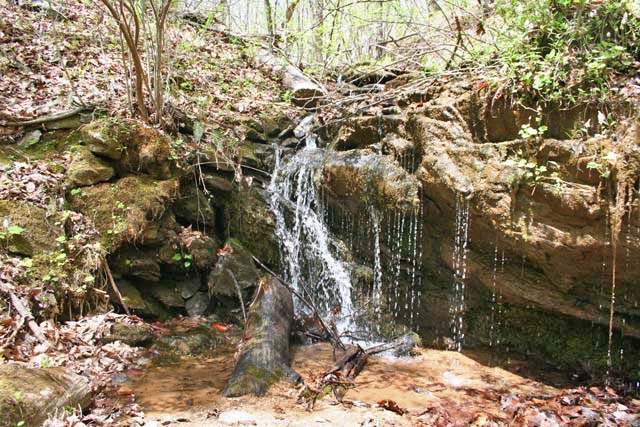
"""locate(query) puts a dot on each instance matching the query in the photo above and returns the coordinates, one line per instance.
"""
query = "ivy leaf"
(15, 230)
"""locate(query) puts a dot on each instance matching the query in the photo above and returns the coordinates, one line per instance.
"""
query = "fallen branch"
(47, 119)
(114, 287)
(342, 374)
(24, 312)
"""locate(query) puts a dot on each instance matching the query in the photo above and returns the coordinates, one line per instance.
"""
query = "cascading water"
(310, 264)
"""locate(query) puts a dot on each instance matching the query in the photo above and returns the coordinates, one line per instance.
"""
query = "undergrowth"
(564, 52)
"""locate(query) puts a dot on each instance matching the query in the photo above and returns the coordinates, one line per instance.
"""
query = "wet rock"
(37, 231)
(218, 183)
(135, 335)
(251, 221)
(145, 306)
(198, 304)
(168, 293)
(355, 176)
(86, 169)
(29, 396)
(364, 131)
(188, 288)
(192, 342)
(194, 207)
(202, 249)
(235, 270)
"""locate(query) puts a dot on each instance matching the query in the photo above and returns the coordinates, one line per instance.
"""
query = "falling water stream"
(319, 241)
(457, 296)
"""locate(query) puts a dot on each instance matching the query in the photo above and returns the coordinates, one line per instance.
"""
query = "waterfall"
(310, 265)
(322, 243)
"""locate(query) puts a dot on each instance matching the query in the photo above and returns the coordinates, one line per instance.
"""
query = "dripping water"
(457, 300)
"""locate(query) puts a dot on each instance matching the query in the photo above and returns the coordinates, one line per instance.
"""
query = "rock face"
(234, 273)
(537, 236)
(28, 396)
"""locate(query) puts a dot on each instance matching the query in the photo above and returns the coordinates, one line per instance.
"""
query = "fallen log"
(264, 354)
(28, 396)
(306, 93)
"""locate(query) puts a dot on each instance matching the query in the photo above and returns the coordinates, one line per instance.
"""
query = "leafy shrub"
(566, 51)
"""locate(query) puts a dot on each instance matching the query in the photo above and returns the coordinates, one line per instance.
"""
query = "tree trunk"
(264, 355)
(305, 92)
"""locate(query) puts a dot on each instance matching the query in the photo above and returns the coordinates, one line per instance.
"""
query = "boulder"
(198, 304)
(28, 396)
(101, 137)
(193, 206)
(235, 269)
(129, 210)
(135, 335)
(86, 169)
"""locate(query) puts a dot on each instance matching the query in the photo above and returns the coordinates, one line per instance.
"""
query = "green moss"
(563, 341)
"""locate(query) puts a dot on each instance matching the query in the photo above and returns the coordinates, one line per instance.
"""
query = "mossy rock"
(135, 335)
(102, 138)
(193, 206)
(28, 396)
(190, 343)
(39, 232)
(274, 124)
(360, 177)
(86, 169)
(136, 147)
(125, 210)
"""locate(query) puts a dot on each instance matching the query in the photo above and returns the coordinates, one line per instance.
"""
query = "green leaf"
(177, 257)
(27, 262)
(89, 279)
(76, 191)
(592, 165)
(187, 264)
(15, 229)
(61, 239)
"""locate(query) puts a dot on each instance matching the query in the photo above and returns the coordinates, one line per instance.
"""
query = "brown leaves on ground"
(33, 182)
(49, 61)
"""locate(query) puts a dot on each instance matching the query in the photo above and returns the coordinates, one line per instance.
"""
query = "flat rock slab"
(30, 395)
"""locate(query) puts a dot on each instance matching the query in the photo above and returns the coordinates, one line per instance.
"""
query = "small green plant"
(184, 259)
(533, 174)
(603, 164)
